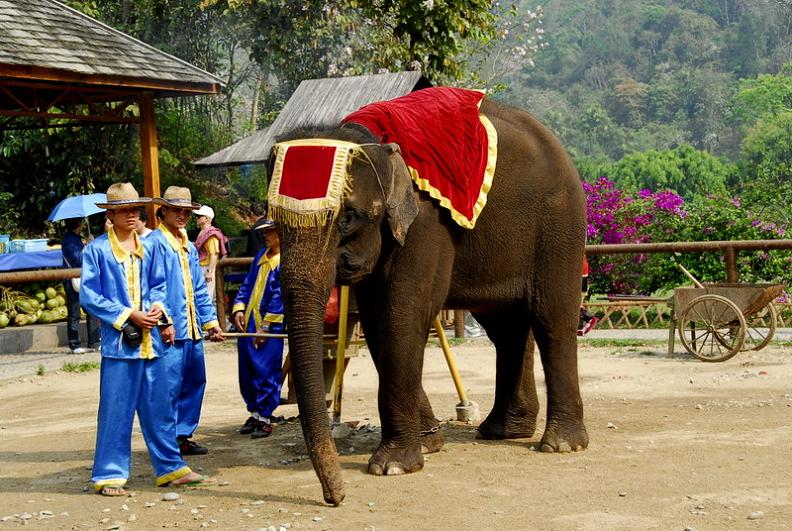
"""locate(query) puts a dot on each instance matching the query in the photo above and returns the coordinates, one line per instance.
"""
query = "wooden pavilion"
(59, 64)
(317, 102)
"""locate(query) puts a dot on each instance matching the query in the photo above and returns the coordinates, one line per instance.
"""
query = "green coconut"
(46, 317)
(25, 306)
(21, 319)
(50, 292)
(4, 320)
(52, 303)
(61, 300)
(40, 296)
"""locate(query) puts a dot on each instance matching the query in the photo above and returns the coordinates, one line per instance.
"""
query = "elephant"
(518, 271)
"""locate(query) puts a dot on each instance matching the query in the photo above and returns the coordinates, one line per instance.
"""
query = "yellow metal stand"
(466, 410)
(340, 353)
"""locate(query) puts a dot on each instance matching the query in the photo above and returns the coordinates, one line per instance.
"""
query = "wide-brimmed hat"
(205, 210)
(123, 195)
(177, 196)
(267, 224)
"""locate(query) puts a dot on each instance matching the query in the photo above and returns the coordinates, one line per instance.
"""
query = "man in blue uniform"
(123, 284)
(191, 309)
(258, 307)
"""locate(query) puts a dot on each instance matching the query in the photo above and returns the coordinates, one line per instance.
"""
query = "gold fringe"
(291, 218)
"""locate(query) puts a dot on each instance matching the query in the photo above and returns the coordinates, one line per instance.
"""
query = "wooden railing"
(654, 313)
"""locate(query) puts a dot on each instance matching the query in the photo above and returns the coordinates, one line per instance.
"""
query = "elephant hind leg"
(564, 431)
(516, 405)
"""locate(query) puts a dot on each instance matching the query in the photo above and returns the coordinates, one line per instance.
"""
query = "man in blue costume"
(258, 307)
(123, 284)
(191, 309)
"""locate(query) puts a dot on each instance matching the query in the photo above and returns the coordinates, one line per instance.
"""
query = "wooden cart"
(716, 321)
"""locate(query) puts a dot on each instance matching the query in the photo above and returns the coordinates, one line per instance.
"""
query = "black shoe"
(188, 447)
(261, 430)
(248, 427)
(279, 419)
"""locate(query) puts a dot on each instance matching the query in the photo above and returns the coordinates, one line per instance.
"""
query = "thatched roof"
(317, 102)
(46, 41)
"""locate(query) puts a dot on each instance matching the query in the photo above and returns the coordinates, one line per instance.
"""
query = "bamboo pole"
(40, 275)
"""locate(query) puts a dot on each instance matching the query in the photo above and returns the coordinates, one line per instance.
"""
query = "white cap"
(205, 210)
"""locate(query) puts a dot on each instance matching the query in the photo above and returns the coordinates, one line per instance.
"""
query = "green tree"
(760, 96)
(767, 149)
(684, 170)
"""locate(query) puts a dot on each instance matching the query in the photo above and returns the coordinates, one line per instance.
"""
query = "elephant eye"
(349, 222)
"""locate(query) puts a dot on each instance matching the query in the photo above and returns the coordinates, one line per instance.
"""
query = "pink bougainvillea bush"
(615, 216)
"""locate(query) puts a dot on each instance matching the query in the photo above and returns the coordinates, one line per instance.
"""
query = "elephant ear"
(402, 206)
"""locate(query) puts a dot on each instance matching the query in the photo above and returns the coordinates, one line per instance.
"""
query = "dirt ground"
(675, 444)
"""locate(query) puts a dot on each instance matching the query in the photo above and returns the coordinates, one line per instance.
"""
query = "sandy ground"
(675, 444)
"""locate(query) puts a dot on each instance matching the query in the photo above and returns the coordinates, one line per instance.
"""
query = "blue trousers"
(260, 372)
(145, 386)
(191, 384)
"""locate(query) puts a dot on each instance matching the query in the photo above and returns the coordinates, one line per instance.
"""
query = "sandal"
(200, 481)
(113, 490)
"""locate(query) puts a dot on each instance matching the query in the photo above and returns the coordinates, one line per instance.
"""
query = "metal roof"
(317, 102)
(44, 40)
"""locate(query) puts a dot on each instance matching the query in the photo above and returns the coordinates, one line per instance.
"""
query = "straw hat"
(178, 197)
(123, 195)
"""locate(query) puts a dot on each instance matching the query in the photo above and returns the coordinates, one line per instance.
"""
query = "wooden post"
(459, 323)
(150, 154)
(220, 296)
(730, 256)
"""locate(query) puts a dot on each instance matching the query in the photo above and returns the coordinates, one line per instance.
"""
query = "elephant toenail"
(547, 448)
(375, 469)
(564, 448)
(395, 469)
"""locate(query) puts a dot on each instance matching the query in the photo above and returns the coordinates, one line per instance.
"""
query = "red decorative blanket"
(449, 147)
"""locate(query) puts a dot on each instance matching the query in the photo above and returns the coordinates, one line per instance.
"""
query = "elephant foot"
(395, 461)
(432, 441)
(509, 428)
(564, 437)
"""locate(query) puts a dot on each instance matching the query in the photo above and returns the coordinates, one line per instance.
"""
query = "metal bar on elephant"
(450, 360)
(340, 354)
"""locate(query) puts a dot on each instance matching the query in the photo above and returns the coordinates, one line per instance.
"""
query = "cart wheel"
(712, 328)
(759, 331)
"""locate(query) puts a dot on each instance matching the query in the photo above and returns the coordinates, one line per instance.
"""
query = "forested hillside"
(620, 76)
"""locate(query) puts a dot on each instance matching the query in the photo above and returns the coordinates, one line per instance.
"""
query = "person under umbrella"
(72, 248)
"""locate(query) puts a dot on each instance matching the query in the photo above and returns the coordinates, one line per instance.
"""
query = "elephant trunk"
(307, 275)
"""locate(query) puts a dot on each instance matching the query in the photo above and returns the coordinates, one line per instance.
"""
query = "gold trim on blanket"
(489, 172)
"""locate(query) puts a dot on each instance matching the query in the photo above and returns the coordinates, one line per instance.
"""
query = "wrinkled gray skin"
(518, 270)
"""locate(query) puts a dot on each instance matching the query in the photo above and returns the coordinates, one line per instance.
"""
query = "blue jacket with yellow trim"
(105, 294)
(204, 313)
(270, 309)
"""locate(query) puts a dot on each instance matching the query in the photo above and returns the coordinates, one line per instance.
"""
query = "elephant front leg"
(399, 451)
(432, 439)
